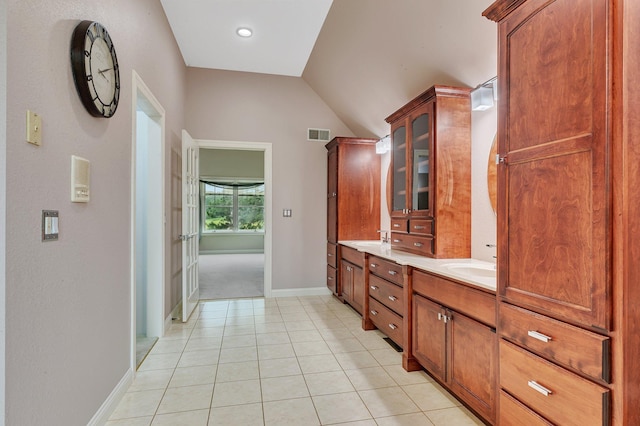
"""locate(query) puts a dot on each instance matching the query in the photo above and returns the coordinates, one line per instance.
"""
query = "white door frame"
(266, 147)
(143, 99)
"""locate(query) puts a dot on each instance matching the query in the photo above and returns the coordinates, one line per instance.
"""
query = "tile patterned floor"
(282, 361)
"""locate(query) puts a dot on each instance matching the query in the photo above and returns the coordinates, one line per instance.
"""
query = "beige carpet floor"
(228, 276)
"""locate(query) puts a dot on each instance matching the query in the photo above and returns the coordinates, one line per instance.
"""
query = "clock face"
(95, 69)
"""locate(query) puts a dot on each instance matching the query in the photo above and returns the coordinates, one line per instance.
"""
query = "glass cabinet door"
(421, 148)
(399, 145)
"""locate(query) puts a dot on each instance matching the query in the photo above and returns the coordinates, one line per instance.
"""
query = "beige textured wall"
(68, 322)
(233, 106)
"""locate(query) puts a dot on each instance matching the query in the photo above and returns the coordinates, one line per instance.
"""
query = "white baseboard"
(294, 292)
(111, 403)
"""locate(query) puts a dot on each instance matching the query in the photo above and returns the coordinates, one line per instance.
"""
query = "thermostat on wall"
(80, 179)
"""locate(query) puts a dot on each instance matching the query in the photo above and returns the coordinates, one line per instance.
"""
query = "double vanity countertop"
(471, 271)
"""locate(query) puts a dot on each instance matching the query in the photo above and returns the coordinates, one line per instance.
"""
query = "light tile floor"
(282, 361)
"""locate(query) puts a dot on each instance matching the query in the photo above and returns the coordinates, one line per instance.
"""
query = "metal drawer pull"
(330, 254)
(418, 227)
(392, 272)
(418, 244)
(393, 298)
(330, 278)
(373, 265)
(397, 241)
(393, 326)
(539, 336)
(534, 385)
(396, 225)
(439, 316)
(373, 287)
(374, 313)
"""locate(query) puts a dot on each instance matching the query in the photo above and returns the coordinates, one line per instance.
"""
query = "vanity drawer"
(332, 255)
(579, 350)
(557, 394)
(386, 320)
(400, 225)
(418, 244)
(332, 282)
(421, 226)
(474, 303)
(515, 413)
(386, 293)
(352, 255)
(390, 271)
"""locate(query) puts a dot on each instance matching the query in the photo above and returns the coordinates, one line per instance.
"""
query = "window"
(232, 207)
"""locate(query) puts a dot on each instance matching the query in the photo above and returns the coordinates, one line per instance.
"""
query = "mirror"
(492, 175)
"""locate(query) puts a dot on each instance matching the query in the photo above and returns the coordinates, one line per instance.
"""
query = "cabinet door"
(473, 359)
(553, 186)
(357, 289)
(346, 280)
(429, 335)
(399, 174)
(332, 195)
(420, 155)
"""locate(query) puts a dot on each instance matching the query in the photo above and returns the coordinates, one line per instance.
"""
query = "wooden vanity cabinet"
(386, 303)
(456, 349)
(568, 202)
(353, 198)
(352, 278)
(430, 174)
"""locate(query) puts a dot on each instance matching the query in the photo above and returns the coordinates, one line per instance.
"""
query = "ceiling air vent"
(322, 135)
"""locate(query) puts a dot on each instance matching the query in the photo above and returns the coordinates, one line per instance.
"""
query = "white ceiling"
(284, 33)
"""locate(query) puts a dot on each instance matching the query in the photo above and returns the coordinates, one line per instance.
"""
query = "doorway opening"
(248, 262)
(148, 219)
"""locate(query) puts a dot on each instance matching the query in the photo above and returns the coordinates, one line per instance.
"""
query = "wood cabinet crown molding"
(426, 96)
(500, 9)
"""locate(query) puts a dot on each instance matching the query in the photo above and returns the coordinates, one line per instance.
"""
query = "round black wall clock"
(95, 69)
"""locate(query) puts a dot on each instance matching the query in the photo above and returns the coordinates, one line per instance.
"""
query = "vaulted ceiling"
(370, 56)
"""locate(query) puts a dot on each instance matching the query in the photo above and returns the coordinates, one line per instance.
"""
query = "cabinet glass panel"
(400, 169)
(420, 145)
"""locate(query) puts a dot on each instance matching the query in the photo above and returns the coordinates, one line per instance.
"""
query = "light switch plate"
(49, 225)
(34, 128)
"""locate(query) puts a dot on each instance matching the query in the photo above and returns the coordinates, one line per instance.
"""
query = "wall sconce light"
(383, 145)
(484, 95)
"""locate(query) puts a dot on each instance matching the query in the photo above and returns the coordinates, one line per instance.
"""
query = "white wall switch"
(80, 179)
(34, 128)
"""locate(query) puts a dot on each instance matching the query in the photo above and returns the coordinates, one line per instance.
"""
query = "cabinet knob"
(396, 225)
(330, 278)
(373, 265)
(393, 298)
(373, 287)
(393, 326)
(539, 336)
(330, 254)
(374, 313)
(397, 241)
(539, 388)
(392, 273)
(418, 244)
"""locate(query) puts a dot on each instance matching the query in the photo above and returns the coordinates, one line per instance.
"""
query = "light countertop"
(472, 271)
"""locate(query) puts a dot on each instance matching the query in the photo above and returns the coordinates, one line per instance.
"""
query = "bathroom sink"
(472, 269)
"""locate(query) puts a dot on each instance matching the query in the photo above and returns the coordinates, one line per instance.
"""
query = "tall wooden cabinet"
(353, 198)
(568, 204)
(431, 174)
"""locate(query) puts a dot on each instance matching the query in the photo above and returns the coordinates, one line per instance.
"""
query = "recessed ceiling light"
(244, 32)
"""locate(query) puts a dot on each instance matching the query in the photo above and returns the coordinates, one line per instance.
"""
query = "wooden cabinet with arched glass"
(431, 174)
